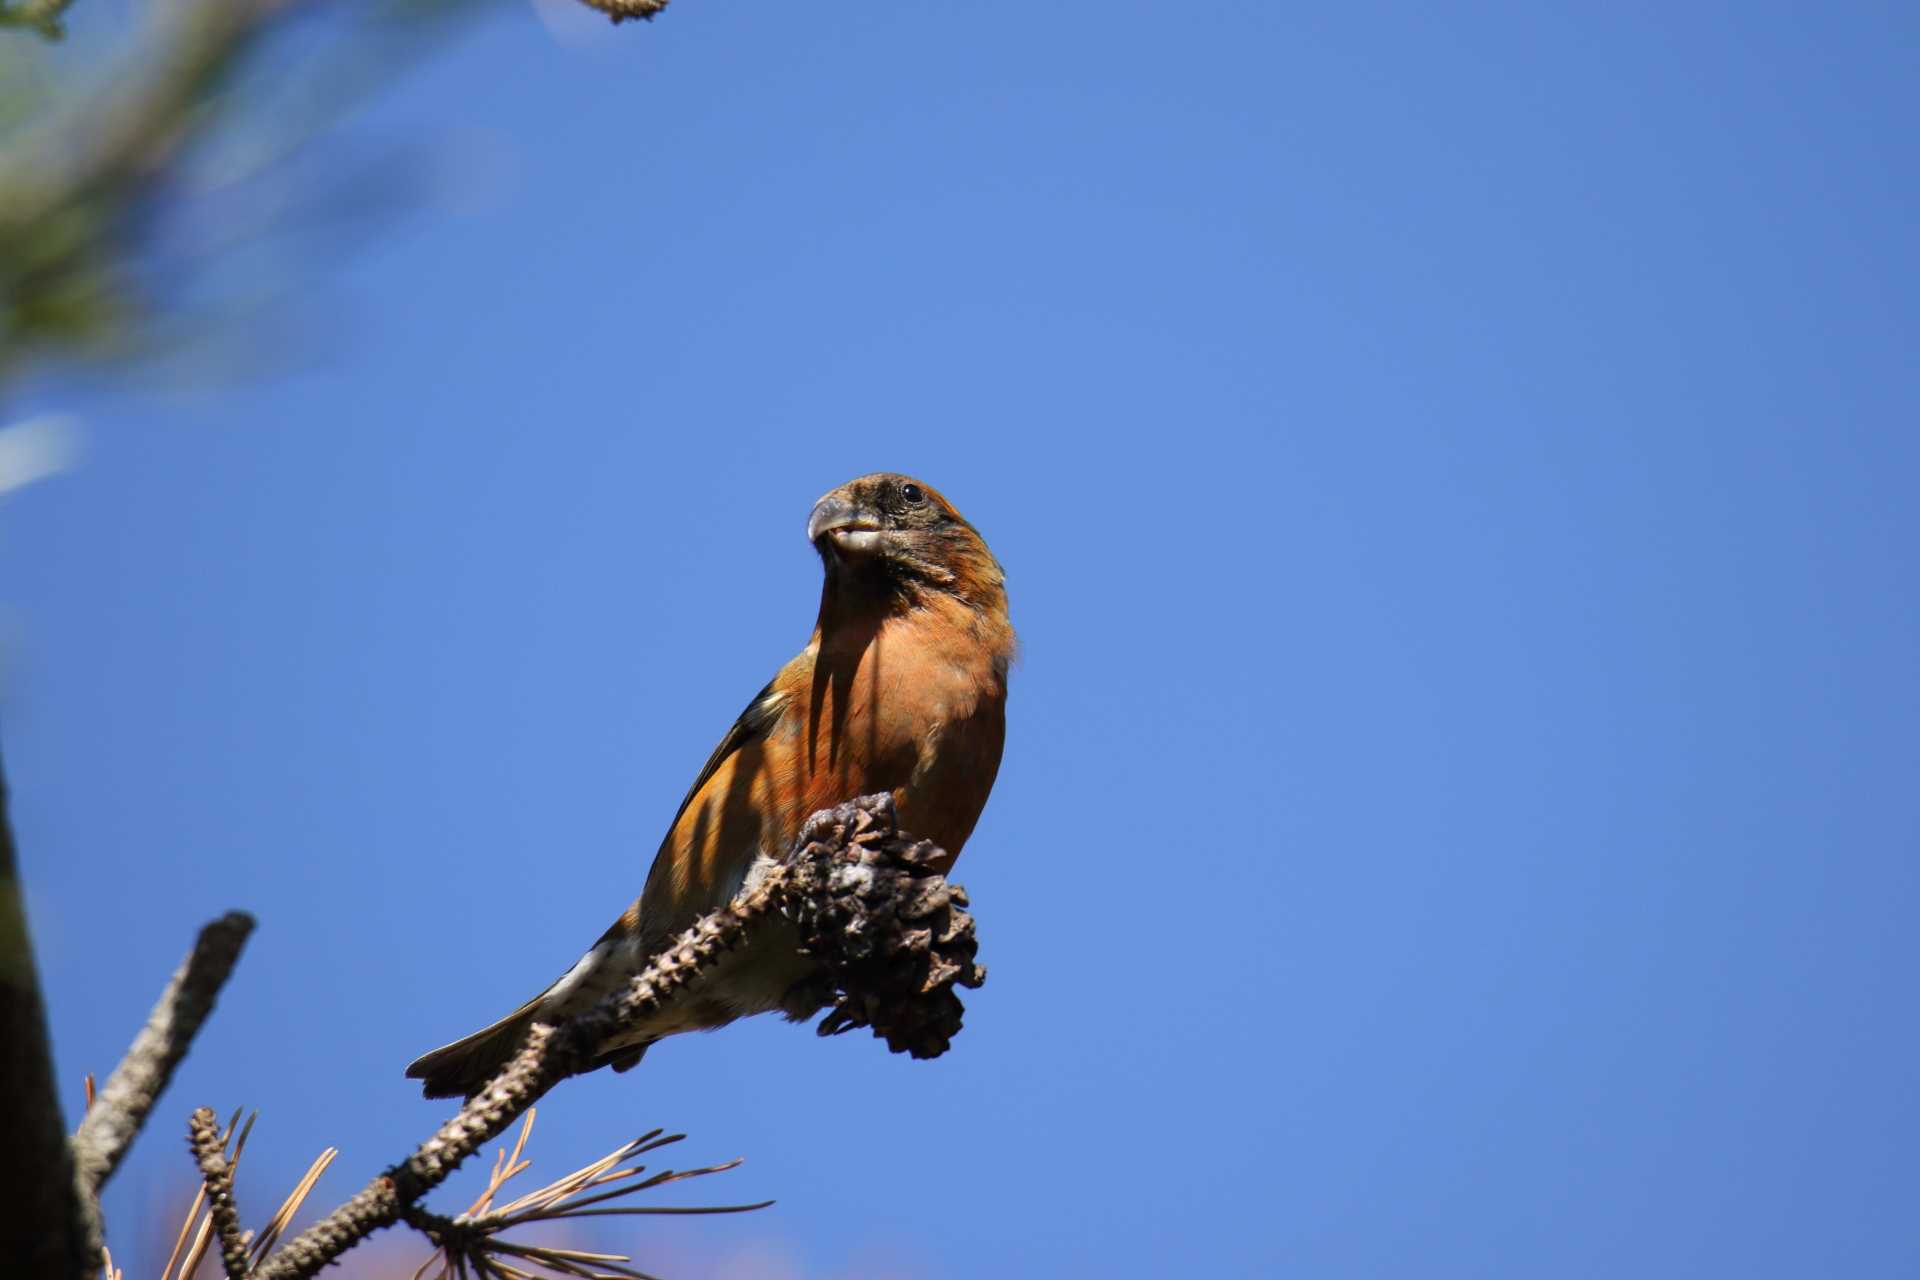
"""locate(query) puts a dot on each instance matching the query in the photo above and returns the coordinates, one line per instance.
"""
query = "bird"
(901, 688)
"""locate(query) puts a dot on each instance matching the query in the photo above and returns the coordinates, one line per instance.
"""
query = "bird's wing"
(753, 723)
(466, 1064)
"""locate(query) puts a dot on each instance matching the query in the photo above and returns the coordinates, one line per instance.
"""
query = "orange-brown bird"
(902, 688)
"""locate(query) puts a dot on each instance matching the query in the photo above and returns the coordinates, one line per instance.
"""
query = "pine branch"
(891, 941)
(550, 1055)
(122, 1106)
(474, 1243)
(203, 1135)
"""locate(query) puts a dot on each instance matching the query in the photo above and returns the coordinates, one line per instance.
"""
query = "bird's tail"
(460, 1069)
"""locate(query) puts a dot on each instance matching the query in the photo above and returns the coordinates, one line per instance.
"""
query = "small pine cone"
(889, 931)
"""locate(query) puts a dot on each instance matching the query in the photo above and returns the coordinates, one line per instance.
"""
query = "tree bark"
(47, 1229)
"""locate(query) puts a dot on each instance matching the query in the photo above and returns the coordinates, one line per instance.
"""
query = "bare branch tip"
(216, 1172)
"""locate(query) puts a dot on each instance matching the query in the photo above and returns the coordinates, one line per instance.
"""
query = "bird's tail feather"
(460, 1069)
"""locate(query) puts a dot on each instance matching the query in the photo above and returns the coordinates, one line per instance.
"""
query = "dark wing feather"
(753, 724)
(467, 1064)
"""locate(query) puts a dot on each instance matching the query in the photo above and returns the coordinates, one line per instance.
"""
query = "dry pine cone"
(891, 934)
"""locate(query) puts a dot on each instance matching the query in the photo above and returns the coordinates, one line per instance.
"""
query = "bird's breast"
(914, 707)
(925, 719)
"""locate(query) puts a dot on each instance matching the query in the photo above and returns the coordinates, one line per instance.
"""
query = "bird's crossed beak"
(851, 529)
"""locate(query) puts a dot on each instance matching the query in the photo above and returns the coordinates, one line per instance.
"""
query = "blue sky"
(1455, 476)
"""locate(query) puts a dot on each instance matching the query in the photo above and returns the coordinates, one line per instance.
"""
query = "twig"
(888, 934)
(197, 1231)
(623, 10)
(203, 1135)
(472, 1243)
(550, 1055)
(128, 1096)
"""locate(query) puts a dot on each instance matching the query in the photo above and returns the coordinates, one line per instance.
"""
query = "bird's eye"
(913, 494)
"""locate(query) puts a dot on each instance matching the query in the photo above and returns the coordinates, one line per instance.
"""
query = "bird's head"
(892, 533)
